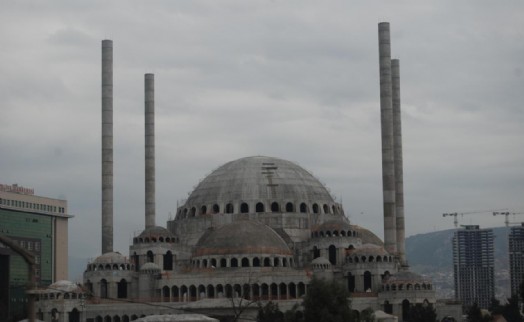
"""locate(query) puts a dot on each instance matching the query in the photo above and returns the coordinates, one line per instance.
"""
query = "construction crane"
(456, 214)
(506, 214)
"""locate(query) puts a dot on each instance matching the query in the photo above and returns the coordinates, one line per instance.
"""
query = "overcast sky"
(296, 80)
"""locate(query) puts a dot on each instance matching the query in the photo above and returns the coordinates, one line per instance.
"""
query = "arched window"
(168, 261)
(229, 208)
(244, 208)
(275, 207)
(289, 207)
(333, 254)
(259, 207)
(150, 257)
(303, 208)
(334, 210)
(74, 315)
(256, 262)
(315, 208)
(316, 252)
(234, 262)
(405, 309)
(210, 291)
(388, 307)
(216, 209)
(165, 293)
(193, 212)
(367, 281)
(213, 262)
(245, 262)
(351, 282)
(122, 289)
(203, 210)
(326, 209)
(267, 262)
(103, 289)
(223, 262)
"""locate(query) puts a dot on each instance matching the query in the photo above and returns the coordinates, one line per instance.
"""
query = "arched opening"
(316, 252)
(388, 307)
(210, 291)
(334, 210)
(290, 207)
(168, 261)
(100, 319)
(134, 317)
(351, 282)
(276, 262)
(301, 289)
(274, 292)
(303, 208)
(256, 262)
(259, 207)
(229, 208)
(184, 292)
(203, 210)
(107, 318)
(216, 209)
(237, 290)
(165, 293)
(405, 309)
(244, 208)
(234, 262)
(275, 207)
(192, 293)
(292, 290)
(326, 209)
(265, 291)
(283, 291)
(150, 257)
(333, 254)
(193, 212)
(116, 318)
(246, 291)
(176, 293)
(136, 261)
(220, 290)
(229, 291)
(315, 208)
(245, 262)
(267, 262)
(125, 318)
(74, 315)
(122, 289)
(256, 291)
(213, 262)
(103, 289)
(367, 281)
(223, 262)
(201, 291)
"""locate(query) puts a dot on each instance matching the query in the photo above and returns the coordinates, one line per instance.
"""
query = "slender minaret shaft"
(149, 82)
(107, 146)
(386, 118)
(399, 172)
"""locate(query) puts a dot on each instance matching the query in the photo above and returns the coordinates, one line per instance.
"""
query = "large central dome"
(259, 178)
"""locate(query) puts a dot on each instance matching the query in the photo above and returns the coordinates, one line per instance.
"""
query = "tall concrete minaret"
(149, 110)
(399, 172)
(386, 120)
(107, 146)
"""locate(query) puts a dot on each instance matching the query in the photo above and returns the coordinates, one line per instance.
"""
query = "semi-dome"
(258, 179)
(65, 286)
(367, 236)
(111, 258)
(241, 237)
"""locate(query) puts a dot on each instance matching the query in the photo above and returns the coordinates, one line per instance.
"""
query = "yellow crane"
(506, 214)
(456, 214)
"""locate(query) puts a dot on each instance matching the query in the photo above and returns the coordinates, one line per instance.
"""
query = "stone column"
(386, 118)
(399, 172)
(107, 146)
(149, 82)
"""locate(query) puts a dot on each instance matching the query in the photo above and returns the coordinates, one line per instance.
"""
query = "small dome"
(183, 317)
(333, 225)
(320, 261)
(111, 258)
(156, 232)
(64, 286)
(150, 267)
(367, 236)
(407, 277)
(241, 237)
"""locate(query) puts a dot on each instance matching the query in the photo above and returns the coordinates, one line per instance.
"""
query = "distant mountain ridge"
(435, 249)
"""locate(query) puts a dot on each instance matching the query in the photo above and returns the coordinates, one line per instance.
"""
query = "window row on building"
(335, 233)
(261, 291)
(31, 205)
(243, 262)
(259, 207)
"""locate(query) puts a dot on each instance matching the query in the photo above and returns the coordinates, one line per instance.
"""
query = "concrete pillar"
(386, 118)
(107, 146)
(149, 84)
(399, 172)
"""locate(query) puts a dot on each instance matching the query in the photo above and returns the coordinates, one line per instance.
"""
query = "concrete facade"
(516, 257)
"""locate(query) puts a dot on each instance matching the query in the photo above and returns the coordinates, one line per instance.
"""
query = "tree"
(367, 315)
(422, 313)
(327, 302)
(475, 314)
(294, 315)
(510, 310)
(269, 313)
